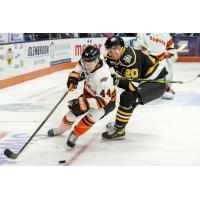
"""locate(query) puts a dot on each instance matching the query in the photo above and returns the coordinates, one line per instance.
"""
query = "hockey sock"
(84, 125)
(123, 116)
(65, 124)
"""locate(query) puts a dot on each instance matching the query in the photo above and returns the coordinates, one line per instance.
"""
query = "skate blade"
(167, 96)
(114, 139)
(68, 148)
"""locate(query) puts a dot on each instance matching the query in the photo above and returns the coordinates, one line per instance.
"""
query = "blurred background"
(192, 39)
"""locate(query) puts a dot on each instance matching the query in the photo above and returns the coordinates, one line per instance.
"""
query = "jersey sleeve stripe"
(169, 43)
(151, 70)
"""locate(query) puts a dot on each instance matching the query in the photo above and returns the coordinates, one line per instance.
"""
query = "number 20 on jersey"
(131, 73)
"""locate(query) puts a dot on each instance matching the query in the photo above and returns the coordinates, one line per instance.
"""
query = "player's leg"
(65, 125)
(150, 91)
(169, 92)
(147, 92)
(128, 101)
(88, 121)
(84, 125)
(77, 107)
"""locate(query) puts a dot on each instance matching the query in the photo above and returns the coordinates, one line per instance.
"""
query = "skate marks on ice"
(3, 134)
(80, 150)
(180, 99)
(14, 142)
(42, 150)
(23, 107)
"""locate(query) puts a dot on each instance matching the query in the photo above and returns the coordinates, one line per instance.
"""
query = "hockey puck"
(61, 161)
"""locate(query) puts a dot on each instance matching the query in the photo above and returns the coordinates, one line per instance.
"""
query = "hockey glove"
(72, 83)
(79, 106)
(115, 79)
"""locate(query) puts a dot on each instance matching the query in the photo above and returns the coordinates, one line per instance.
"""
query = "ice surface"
(164, 132)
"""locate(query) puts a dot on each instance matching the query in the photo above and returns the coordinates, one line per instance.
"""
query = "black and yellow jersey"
(133, 63)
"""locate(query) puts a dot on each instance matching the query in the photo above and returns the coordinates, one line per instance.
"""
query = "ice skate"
(110, 125)
(169, 93)
(71, 141)
(113, 134)
(54, 132)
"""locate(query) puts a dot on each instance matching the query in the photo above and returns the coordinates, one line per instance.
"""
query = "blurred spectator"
(83, 35)
(54, 36)
(93, 35)
(67, 35)
(41, 36)
(108, 34)
(76, 35)
(28, 37)
(126, 34)
(121, 34)
(196, 34)
(131, 34)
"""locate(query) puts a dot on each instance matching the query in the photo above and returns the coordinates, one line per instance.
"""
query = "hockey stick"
(180, 49)
(12, 155)
(158, 80)
(170, 51)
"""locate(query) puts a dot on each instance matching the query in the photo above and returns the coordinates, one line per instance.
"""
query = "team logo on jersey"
(104, 79)
(127, 59)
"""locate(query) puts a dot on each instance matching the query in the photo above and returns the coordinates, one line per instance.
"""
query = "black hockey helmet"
(91, 53)
(113, 42)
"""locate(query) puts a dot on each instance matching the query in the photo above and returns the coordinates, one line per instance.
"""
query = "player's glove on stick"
(79, 106)
(72, 83)
(115, 79)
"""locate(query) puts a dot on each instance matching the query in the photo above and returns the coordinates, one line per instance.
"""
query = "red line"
(3, 134)
(80, 151)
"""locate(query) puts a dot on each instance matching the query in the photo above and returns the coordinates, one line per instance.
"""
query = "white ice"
(164, 132)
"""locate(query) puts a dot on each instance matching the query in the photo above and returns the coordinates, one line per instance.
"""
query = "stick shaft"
(43, 122)
(151, 81)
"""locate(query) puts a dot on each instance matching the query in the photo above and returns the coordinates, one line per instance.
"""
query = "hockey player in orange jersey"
(97, 100)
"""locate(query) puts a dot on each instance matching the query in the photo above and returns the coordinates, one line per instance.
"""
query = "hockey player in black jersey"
(129, 62)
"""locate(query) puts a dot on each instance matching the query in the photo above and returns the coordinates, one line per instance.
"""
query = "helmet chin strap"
(119, 52)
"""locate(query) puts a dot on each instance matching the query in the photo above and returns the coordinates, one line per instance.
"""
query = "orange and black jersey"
(133, 63)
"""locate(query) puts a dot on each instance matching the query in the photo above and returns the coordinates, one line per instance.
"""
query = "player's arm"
(127, 85)
(154, 68)
(75, 76)
(170, 43)
(172, 57)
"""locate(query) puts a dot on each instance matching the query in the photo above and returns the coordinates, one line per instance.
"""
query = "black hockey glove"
(72, 83)
(79, 106)
(115, 79)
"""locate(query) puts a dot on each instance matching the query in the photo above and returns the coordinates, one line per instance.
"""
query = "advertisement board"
(193, 44)
(4, 38)
(60, 52)
(37, 55)
(16, 37)
(12, 60)
(21, 58)
(78, 46)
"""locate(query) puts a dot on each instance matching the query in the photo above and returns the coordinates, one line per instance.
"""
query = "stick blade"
(8, 153)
